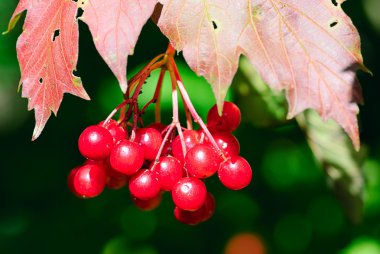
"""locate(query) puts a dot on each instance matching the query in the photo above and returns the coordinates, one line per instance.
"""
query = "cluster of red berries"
(150, 164)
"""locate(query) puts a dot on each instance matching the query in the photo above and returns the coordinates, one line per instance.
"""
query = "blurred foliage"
(372, 9)
(289, 207)
(327, 140)
(260, 105)
(336, 155)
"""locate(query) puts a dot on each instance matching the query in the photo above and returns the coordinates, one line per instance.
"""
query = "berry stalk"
(119, 153)
(187, 101)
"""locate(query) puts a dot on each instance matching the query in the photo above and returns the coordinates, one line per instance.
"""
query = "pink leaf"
(47, 51)
(115, 26)
(206, 33)
(309, 48)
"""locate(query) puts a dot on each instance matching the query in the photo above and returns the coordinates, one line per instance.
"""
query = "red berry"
(150, 139)
(228, 121)
(202, 161)
(194, 217)
(95, 143)
(144, 185)
(169, 171)
(209, 207)
(100, 163)
(189, 193)
(117, 132)
(158, 126)
(70, 180)
(116, 183)
(149, 204)
(227, 143)
(191, 138)
(235, 173)
(115, 179)
(88, 181)
(189, 217)
(127, 157)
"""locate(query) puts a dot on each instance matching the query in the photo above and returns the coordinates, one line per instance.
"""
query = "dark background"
(288, 208)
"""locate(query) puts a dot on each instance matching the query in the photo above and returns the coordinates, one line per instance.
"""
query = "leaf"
(309, 48)
(260, 105)
(115, 26)
(331, 147)
(206, 33)
(336, 155)
(47, 51)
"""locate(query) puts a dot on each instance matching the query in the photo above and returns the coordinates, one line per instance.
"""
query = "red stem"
(169, 130)
(142, 72)
(157, 93)
(189, 122)
(187, 101)
(175, 112)
(115, 111)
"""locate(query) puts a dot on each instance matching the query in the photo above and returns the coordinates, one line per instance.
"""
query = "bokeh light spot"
(138, 225)
(117, 245)
(238, 209)
(13, 225)
(286, 165)
(363, 245)
(326, 215)
(371, 170)
(245, 243)
(293, 233)
(120, 245)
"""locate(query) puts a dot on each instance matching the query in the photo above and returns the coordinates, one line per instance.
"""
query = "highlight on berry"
(156, 158)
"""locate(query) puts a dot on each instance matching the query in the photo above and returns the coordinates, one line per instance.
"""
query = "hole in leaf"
(41, 80)
(79, 13)
(334, 2)
(56, 34)
(75, 1)
(214, 25)
(334, 24)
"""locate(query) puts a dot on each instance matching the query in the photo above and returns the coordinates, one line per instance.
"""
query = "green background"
(288, 207)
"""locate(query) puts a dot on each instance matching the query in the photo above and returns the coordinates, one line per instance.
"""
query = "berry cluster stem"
(165, 62)
(190, 106)
(122, 149)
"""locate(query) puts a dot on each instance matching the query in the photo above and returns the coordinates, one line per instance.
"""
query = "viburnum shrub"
(310, 49)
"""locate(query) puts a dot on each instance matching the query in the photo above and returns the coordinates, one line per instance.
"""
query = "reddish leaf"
(115, 26)
(47, 51)
(309, 48)
(207, 33)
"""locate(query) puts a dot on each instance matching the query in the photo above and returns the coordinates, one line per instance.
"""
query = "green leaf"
(259, 104)
(329, 143)
(337, 156)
